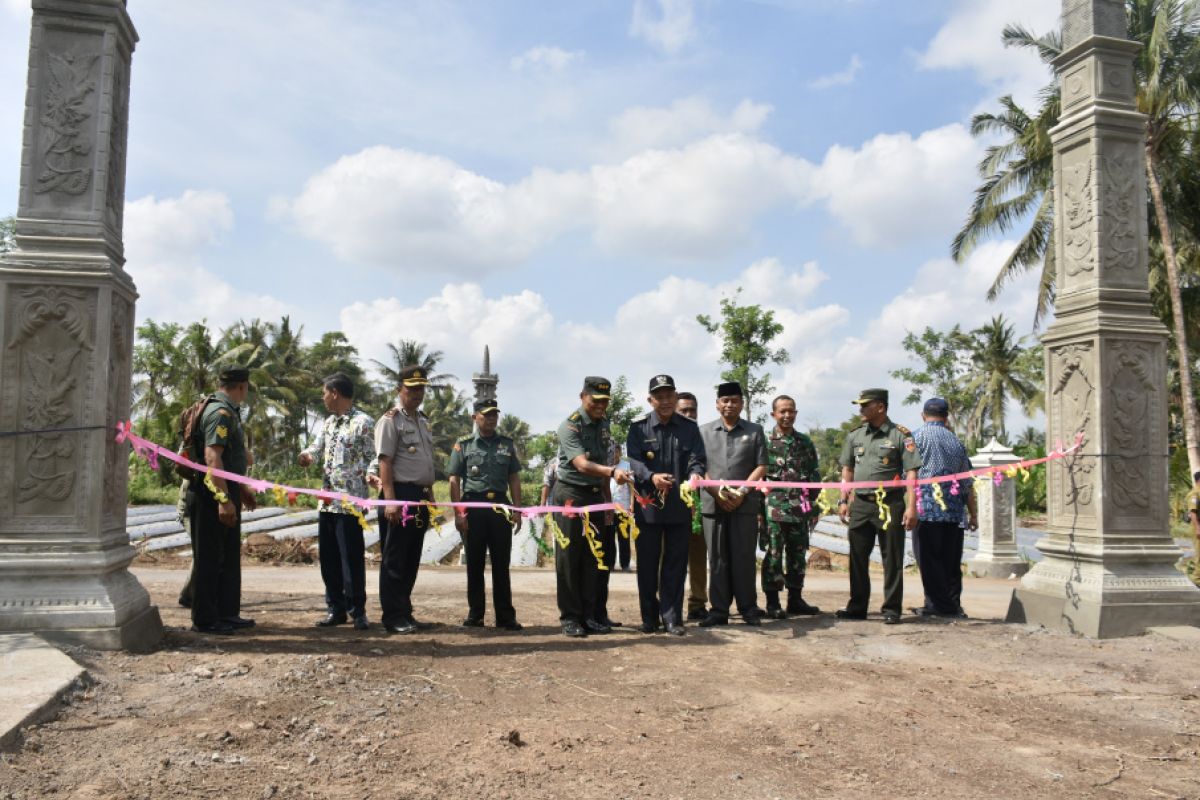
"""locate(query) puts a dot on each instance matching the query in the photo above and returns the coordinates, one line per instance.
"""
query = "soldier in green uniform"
(583, 443)
(791, 456)
(216, 516)
(484, 467)
(878, 450)
(1192, 504)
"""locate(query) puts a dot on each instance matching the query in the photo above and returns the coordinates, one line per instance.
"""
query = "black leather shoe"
(697, 615)
(776, 612)
(361, 624)
(239, 622)
(675, 629)
(331, 620)
(612, 623)
(216, 629)
(648, 627)
(471, 622)
(574, 629)
(843, 613)
(752, 619)
(891, 618)
(421, 626)
(511, 625)
(800, 608)
(713, 620)
(596, 627)
(403, 626)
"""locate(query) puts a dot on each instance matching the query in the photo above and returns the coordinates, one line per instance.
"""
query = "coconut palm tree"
(994, 377)
(407, 353)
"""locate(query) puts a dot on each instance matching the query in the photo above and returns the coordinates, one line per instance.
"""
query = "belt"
(888, 495)
(572, 487)
(498, 497)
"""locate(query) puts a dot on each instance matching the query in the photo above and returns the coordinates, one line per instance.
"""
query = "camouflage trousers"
(785, 545)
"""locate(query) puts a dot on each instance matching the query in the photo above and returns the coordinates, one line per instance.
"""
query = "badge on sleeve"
(222, 431)
(909, 444)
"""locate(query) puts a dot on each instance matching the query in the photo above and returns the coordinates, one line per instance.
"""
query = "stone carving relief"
(1072, 393)
(1133, 394)
(117, 137)
(116, 408)
(50, 333)
(1076, 85)
(1077, 217)
(1121, 209)
(66, 145)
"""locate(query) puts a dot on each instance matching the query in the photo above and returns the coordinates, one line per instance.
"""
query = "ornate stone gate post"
(1109, 566)
(997, 555)
(66, 322)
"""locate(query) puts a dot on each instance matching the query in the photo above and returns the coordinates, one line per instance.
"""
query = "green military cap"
(867, 395)
(486, 406)
(414, 375)
(597, 387)
(234, 375)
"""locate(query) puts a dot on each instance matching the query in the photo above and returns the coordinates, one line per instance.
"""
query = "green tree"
(516, 429)
(746, 333)
(449, 418)
(994, 377)
(334, 353)
(8, 234)
(407, 353)
(622, 410)
(945, 359)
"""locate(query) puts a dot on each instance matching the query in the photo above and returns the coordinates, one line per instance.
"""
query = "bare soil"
(797, 708)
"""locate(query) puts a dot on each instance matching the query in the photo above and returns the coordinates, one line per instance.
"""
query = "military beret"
(661, 382)
(486, 406)
(414, 375)
(867, 395)
(597, 387)
(234, 375)
(730, 389)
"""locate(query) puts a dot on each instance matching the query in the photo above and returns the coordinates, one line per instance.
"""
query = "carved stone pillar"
(1109, 567)
(66, 321)
(997, 556)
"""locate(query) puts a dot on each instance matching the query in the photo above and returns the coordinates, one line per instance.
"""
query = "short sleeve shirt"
(732, 454)
(880, 454)
(484, 463)
(580, 435)
(409, 443)
(222, 426)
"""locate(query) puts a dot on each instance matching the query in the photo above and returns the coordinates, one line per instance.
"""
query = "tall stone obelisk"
(1109, 567)
(66, 318)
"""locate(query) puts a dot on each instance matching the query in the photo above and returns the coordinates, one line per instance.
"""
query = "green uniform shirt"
(222, 426)
(792, 458)
(484, 462)
(580, 435)
(880, 454)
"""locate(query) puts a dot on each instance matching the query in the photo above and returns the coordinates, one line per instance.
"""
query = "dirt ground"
(799, 708)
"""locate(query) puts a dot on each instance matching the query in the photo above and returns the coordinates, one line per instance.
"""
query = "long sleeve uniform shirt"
(673, 447)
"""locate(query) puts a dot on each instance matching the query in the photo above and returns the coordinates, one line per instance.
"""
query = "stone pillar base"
(989, 568)
(1099, 602)
(141, 634)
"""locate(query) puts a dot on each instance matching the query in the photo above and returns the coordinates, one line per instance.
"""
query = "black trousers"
(608, 543)
(401, 545)
(217, 563)
(624, 550)
(865, 528)
(574, 565)
(489, 532)
(732, 541)
(340, 539)
(662, 553)
(938, 547)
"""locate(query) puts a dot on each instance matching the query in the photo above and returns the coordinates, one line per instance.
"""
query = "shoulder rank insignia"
(903, 430)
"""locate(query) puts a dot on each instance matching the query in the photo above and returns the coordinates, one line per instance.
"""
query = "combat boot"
(797, 605)
(774, 610)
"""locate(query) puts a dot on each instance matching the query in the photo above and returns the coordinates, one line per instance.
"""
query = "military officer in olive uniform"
(484, 467)
(878, 450)
(216, 516)
(664, 450)
(583, 444)
(404, 445)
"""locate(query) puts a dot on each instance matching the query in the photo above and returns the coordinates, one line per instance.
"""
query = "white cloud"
(843, 78)
(684, 121)
(896, 188)
(164, 243)
(544, 58)
(970, 39)
(670, 30)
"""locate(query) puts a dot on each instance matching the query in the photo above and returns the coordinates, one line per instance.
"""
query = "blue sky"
(570, 183)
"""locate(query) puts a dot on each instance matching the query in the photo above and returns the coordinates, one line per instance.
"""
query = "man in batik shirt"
(346, 445)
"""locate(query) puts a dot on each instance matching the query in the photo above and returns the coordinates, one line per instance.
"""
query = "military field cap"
(597, 387)
(730, 389)
(486, 406)
(234, 375)
(867, 395)
(661, 382)
(936, 407)
(414, 376)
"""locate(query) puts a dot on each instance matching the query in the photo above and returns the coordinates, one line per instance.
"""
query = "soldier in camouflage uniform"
(791, 456)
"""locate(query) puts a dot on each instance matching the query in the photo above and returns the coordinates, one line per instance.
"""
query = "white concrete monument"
(66, 318)
(1109, 567)
(997, 555)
